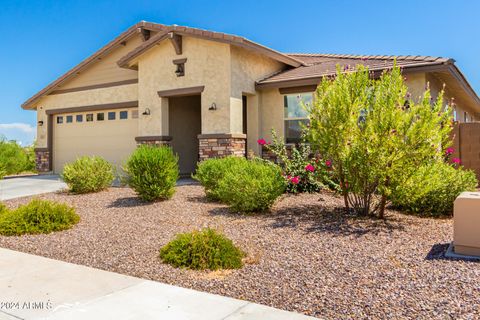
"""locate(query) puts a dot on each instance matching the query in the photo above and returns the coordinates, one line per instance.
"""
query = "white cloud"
(23, 133)
(24, 127)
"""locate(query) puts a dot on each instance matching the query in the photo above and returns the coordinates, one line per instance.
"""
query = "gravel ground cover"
(304, 256)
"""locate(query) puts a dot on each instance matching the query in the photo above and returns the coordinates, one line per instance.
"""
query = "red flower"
(456, 160)
(328, 163)
(261, 142)
(295, 180)
(310, 168)
(449, 151)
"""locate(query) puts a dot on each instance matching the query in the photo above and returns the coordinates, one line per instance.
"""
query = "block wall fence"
(466, 142)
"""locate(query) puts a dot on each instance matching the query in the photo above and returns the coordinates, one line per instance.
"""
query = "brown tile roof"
(319, 65)
(209, 35)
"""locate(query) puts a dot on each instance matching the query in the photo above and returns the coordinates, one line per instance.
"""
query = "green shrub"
(432, 189)
(152, 172)
(88, 174)
(205, 249)
(3, 208)
(211, 171)
(252, 186)
(14, 159)
(38, 216)
(3, 172)
(374, 135)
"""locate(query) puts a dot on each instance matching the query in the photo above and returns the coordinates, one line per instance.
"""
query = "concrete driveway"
(33, 287)
(27, 186)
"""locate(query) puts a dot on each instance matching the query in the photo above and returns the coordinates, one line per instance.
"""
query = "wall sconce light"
(146, 112)
(213, 106)
(180, 72)
(40, 123)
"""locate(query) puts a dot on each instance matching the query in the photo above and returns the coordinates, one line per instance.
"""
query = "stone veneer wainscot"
(221, 145)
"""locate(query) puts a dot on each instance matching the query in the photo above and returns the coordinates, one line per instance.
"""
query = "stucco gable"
(104, 70)
(175, 33)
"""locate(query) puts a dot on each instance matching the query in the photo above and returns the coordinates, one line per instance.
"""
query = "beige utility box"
(466, 224)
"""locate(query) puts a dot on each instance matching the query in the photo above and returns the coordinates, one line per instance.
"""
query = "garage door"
(107, 133)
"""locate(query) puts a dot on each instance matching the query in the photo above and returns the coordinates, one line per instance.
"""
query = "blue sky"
(44, 39)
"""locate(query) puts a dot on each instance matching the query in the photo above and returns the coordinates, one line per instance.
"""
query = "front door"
(184, 116)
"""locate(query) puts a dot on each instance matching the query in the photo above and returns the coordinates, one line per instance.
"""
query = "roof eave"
(460, 77)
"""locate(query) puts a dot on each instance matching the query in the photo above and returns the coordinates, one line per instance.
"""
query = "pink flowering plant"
(302, 171)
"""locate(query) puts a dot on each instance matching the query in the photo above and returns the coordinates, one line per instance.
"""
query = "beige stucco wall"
(416, 83)
(208, 64)
(246, 68)
(271, 113)
(80, 98)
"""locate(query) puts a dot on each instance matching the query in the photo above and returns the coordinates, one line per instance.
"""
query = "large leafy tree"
(374, 134)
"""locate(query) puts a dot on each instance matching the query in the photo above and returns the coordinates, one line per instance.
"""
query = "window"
(59, 119)
(79, 117)
(89, 117)
(123, 114)
(111, 116)
(465, 116)
(100, 116)
(295, 115)
(134, 114)
(69, 119)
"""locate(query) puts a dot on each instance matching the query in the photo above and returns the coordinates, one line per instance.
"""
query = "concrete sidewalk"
(33, 287)
(27, 186)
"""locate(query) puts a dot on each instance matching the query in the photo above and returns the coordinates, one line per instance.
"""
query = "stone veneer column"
(42, 160)
(154, 140)
(221, 145)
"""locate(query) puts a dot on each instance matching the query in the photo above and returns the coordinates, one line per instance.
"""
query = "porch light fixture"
(40, 123)
(146, 112)
(180, 72)
(213, 106)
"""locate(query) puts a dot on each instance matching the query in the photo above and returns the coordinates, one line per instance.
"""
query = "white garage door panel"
(113, 140)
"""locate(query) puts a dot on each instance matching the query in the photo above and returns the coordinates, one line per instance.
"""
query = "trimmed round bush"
(152, 172)
(211, 171)
(88, 174)
(432, 189)
(205, 249)
(252, 186)
(38, 216)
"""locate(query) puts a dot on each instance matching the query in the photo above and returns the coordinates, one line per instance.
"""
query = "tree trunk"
(383, 203)
(345, 199)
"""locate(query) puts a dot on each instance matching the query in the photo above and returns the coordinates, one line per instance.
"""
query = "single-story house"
(205, 93)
